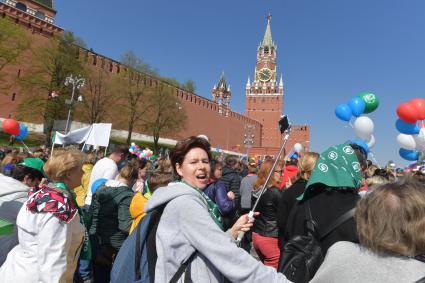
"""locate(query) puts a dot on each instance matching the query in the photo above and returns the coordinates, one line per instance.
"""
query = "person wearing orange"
(156, 179)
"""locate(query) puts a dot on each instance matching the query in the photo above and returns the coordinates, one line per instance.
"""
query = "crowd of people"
(71, 213)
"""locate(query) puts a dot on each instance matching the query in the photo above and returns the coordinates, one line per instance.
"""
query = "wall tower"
(221, 95)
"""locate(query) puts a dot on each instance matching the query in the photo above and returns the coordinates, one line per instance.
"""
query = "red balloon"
(11, 126)
(407, 112)
(419, 104)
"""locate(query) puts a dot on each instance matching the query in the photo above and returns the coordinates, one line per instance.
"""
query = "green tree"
(97, 96)
(171, 81)
(190, 86)
(52, 63)
(164, 113)
(131, 87)
(13, 42)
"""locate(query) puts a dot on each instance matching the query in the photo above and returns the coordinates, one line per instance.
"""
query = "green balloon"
(371, 101)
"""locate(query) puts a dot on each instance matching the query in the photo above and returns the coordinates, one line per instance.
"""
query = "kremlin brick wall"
(202, 113)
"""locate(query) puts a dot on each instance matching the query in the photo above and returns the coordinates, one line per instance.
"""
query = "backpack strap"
(310, 223)
(337, 222)
(184, 268)
(138, 253)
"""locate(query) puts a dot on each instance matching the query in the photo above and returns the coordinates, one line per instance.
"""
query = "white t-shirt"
(104, 168)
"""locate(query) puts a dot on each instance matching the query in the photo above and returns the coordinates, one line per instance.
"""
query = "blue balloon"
(407, 128)
(362, 144)
(96, 184)
(294, 156)
(343, 112)
(411, 155)
(357, 106)
(23, 132)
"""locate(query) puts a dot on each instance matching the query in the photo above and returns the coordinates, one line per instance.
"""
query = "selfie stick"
(287, 132)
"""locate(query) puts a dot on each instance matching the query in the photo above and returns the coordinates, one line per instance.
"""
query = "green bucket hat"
(34, 163)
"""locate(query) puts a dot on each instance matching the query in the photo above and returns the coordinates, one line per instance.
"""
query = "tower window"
(19, 73)
(21, 6)
(13, 96)
(40, 15)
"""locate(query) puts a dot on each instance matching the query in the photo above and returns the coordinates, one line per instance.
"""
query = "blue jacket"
(217, 192)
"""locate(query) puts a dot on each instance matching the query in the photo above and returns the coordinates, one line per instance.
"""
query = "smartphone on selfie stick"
(285, 129)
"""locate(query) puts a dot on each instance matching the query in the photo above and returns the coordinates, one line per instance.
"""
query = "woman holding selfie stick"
(190, 228)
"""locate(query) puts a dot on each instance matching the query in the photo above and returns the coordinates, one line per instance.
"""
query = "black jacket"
(111, 219)
(232, 182)
(326, 206)
(287, 201)
(266, 223)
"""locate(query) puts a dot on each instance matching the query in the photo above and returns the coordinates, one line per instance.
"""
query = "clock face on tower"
(264, 74)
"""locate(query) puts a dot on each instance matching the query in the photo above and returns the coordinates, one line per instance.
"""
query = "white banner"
(99, 134)
(96, 134)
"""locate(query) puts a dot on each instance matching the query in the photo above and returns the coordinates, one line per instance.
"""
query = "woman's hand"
(231, 195)
(43, 182)
(243, 224)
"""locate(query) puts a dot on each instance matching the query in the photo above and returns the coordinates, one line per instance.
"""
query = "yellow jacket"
(137, 207)
(81, 191)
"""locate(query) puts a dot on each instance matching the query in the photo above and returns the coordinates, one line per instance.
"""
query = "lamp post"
(249, 136)
(77, 82)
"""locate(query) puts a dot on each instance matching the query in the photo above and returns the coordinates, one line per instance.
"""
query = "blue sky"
(328, 51)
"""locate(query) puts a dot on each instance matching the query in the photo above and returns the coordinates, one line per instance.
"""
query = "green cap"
(34, 163)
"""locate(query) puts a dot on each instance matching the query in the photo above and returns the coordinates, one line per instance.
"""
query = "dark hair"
(382, 173)
(159, 179)
(292, 161)
(140, 163)
(214, 164)
(179, 152)
(369, 163)
(231, 161)
(20, 172)
(122, 149)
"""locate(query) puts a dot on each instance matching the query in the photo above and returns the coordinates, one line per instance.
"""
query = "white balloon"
(363, 127)
(420, 140)
(371, 141)
(406, 141)
(298, 147)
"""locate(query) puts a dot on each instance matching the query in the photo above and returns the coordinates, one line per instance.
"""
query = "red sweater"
(289, 173)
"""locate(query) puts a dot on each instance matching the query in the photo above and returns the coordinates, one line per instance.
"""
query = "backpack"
(136, 260)
(302, 256)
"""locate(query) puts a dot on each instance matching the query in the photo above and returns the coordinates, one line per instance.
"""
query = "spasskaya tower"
(264, 95)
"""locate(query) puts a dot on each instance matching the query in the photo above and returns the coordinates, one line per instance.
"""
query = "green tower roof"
(267, 40)
(222, 82)
(46, 3)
